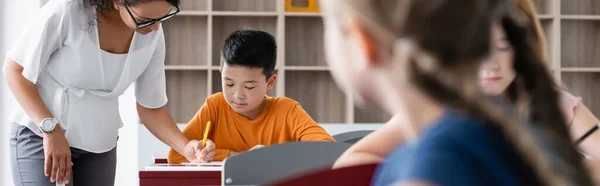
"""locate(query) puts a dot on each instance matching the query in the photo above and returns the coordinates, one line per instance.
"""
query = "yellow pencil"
(206, 131)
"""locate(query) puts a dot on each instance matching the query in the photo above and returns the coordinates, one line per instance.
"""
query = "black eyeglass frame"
(152, 21)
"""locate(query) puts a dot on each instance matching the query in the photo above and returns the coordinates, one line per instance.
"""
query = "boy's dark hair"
(251, 48)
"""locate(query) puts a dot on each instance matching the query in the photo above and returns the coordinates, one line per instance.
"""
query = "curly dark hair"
(107, 5)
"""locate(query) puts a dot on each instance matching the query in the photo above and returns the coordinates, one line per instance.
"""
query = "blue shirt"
(457, 150)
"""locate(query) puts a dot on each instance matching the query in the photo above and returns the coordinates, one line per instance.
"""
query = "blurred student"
(580, 121)
(506, 77)
(422, 57)
(243, 117)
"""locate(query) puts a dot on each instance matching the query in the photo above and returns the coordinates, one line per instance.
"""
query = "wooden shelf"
(234, 13)
(193, 5)
(318, 94)
(187, 92)
(244, 5)
(227, 13)
(580, 50)
(370, 115)
(307, 48)
(186, 40)
(307, 68)
(192, 13)
(216, 82)
(545, 17)
(543, 6)
(185, 67)
(195, 39)
(224, 26)
(580, 43)
(581, 7)
(303, 14)
(584, 85)
(580, 17)
(575, 69)
(216, 69)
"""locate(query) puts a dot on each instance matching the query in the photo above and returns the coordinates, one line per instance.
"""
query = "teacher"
(67, 70)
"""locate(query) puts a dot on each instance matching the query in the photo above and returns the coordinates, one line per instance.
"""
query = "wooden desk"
(179, 177)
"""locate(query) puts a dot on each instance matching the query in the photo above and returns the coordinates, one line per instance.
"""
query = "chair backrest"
(274, 162)
(355, 175)
(351, 137)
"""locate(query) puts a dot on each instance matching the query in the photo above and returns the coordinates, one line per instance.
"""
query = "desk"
(178, 177)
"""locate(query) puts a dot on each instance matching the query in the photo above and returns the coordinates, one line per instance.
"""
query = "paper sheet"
(212, 166)
(220, 163)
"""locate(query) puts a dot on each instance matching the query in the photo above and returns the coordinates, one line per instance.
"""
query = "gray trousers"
(27, 162)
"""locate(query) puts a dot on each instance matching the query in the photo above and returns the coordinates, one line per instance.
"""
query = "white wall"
(3, 145)
(127, 154)
(13, 14)
(3, 151)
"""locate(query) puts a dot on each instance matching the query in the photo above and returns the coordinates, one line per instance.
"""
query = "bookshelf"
(194, 39)
(572, 29)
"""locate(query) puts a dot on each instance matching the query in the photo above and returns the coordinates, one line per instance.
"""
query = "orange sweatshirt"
(282, 120)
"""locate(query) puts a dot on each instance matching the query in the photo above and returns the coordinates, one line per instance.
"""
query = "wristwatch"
(48, 125)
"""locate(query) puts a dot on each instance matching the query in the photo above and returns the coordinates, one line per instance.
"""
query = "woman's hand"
(194, 150)
(57, 156)
(56, 148)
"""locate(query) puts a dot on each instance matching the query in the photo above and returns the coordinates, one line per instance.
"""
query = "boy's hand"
(190, 150)
(194, 151)
(207, 153)
(257, 147)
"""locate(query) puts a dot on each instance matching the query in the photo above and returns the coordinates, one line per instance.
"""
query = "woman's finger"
(47, 165)
(55, 167)
(61, 169)
(67, 177)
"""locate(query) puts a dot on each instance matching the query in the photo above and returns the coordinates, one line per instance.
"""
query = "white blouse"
(112, 64)
(80, 83)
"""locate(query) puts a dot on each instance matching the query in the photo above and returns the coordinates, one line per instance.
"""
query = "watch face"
(47, 125)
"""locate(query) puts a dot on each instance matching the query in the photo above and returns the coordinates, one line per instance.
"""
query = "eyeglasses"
(144, 24)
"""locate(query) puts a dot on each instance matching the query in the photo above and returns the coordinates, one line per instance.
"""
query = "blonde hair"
(450, 39)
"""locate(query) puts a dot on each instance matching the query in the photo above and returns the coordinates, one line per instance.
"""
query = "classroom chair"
(351, 137)
(355, 175)
(260, 166)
